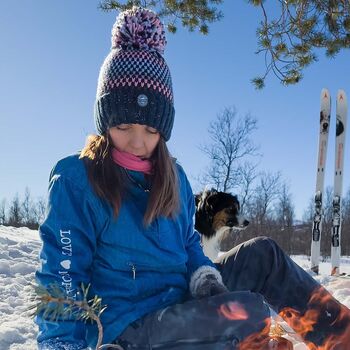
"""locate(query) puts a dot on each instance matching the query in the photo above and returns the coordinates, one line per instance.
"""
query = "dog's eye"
(236, 207)
(232, 209)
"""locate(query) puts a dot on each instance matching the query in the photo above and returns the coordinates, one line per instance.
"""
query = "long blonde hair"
(108, 180)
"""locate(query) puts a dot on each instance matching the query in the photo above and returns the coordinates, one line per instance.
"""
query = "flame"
(325, 318)
(256, 341)
(301, 324)
(265, 341)
(233, 311)
(324, 314)
(278, 343)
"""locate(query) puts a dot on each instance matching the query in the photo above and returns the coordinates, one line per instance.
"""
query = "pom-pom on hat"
(134, 85)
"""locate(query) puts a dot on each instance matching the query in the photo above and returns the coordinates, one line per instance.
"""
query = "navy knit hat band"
(134, 85)
(136, 106)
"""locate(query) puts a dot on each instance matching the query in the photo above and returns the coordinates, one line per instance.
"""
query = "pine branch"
(301, 27)
(192, 14)
(289, 41)
(53, 304)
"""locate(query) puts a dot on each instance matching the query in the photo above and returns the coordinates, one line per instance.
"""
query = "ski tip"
(341, 95)
(325, 93)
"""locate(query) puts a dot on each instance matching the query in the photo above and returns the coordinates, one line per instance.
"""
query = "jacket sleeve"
(196, 257)
(68, 243)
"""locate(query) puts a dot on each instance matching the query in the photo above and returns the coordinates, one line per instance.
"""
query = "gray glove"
(206, 281)
(210, 286)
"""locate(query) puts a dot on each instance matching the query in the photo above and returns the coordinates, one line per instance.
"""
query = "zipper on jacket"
(133, 269)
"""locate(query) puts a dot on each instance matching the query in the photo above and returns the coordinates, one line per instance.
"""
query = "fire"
(326, 318)
(325, 325)
(278, 343)
(301, 324)
(265, 341)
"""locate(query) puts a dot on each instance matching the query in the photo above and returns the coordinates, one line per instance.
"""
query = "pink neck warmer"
(131, 162)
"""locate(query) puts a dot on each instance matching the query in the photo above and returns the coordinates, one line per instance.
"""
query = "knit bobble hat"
(134, 85)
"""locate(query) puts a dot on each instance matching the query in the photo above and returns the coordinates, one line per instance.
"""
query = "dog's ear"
(212, 200)
(233, 202)
(197, 198)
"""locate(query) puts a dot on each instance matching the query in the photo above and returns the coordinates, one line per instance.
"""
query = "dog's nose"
(231, 223)
(245, 223)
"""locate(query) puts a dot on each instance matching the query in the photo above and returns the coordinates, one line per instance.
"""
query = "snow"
(19, 251)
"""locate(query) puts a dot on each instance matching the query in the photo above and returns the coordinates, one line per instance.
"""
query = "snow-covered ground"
(19, 249)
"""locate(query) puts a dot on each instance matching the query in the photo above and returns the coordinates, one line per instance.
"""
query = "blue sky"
(51, 52)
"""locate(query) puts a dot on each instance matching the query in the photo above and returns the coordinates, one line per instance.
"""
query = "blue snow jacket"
(135, 270)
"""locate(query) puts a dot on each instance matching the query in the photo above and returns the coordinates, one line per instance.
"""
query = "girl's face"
(139, 140)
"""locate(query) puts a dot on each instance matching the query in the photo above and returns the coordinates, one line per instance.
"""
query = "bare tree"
(346, 207)
(308, 215)
(267, 190)
(40, 210)
(15, 216)
(231, 143)
(285, 207)
(247, 175)
(327, 205)
(3, 212)
(28, 211)
(284, 211)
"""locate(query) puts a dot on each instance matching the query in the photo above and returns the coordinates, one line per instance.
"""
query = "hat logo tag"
(142, 100)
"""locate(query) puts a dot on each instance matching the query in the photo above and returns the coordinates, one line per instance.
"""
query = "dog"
(216, 212)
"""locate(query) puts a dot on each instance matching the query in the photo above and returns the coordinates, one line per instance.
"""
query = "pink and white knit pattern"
(138, 29)
(135, 68)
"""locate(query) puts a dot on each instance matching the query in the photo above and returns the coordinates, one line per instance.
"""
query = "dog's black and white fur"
(216, 212)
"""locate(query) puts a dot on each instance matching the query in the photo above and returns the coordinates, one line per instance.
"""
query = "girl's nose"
(136, 140)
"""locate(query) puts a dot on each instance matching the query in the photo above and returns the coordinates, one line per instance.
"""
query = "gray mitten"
(206, 281)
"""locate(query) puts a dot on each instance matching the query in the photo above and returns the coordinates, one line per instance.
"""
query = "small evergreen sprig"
(54, 305)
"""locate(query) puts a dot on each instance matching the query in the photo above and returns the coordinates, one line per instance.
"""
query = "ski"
(338, 181)
(325, 112)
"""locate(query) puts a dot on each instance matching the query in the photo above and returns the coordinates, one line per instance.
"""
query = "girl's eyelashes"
(123, 127)
(152, 131)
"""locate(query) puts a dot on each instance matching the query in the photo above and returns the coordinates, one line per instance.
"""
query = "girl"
(120, 218)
